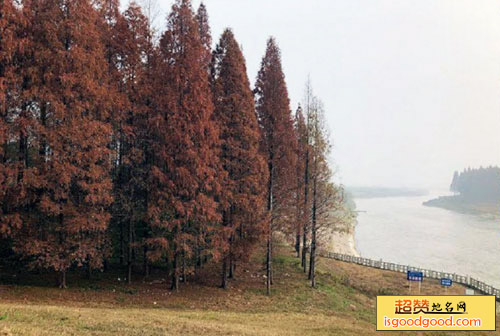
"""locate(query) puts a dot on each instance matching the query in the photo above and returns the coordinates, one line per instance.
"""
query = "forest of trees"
(117, 147)
(482, 184)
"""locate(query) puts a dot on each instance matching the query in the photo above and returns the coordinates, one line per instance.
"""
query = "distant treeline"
(477, 184)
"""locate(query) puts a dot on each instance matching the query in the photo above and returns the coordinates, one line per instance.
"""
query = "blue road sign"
(446, 282)
(415, 276)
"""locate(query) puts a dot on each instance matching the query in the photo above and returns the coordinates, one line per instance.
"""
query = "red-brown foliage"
(240, 156)
(11, 42)
(114, 147)
(186, 163)
(278, 142)
(66, 102)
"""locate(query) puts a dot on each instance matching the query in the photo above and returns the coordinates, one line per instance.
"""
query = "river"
(402, 230)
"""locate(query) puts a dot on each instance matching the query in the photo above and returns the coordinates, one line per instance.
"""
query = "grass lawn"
(342, 304)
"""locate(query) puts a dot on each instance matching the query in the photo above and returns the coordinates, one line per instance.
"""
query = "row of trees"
(116, 147)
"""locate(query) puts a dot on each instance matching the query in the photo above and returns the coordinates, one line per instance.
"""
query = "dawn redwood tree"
(9, 18)
(240, 155)
(131, 55)
(278, 143)
(137, 70)
(113, 31)
(201, 251)
(70, 189)
(11, 126)
(205, 34)
(301, 134)
(186, 166)
(151, 10)
(326, 198)
(128, 49)
(304, 143)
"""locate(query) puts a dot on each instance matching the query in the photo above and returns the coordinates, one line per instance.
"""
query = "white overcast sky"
(411, 87)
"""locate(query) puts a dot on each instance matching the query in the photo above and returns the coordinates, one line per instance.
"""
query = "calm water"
(402, 230)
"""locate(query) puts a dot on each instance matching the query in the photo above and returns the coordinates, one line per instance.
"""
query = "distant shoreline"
(462, 205)
(379, 192)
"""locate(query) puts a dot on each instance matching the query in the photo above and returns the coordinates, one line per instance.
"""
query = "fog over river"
(402, 230)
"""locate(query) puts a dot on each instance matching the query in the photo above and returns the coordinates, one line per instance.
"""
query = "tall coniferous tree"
(71, 188)
(145, 104)
(138, 87)
(187, 161)
(206, 40)
(305, 151)
(277, 142)
(113, 32)
(11, 192)
(240, 155)
(9, 19)
(320, 175)
(301, 134)
(305, 143)
(204, 31)
(131, 55)
(326, 205)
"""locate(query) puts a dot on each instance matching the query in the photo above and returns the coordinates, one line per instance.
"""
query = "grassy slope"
(343, 304)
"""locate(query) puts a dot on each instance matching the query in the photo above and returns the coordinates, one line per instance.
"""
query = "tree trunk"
(184, 266)
(198, 253)
(306, 217)
(312, 258)
(231, 241)
(268, 266)
(175, 275)
(299, 216)
(269, 233)
(62, 279)
(304, 250)
(145, 264)
(271, 271)
(231, 268)
(312, 266)
(122, 247)
(129, 256)
(129, 272)
(146, 233)
(119, 186)
(89, 271)
(297, 243)
(224, 274)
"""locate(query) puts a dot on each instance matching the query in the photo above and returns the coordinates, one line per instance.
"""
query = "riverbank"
(342, 242)
(462, 205)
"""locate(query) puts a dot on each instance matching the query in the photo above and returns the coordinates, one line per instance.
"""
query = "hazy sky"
(411, 87)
